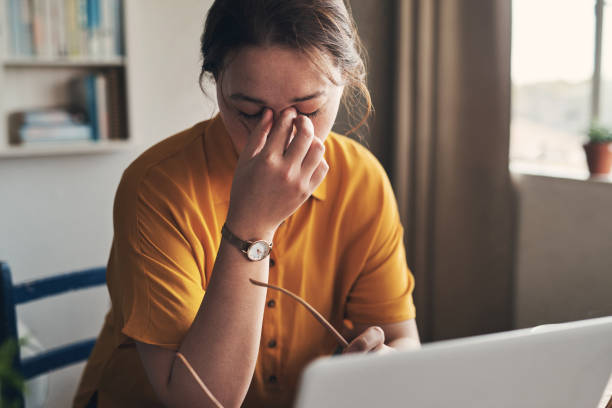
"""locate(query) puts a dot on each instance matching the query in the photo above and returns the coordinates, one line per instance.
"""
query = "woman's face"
(275, 78)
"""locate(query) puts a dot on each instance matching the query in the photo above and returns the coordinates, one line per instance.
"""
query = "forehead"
(273, 73)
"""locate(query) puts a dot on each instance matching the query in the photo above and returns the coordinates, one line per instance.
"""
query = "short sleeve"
(156, 283)
(382, 291)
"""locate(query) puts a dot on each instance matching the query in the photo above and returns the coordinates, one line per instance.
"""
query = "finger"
(302, 141)
(258, 136)
(290, 138)
(319, 174)
(384, 349)
(369, 340)
(313, 157)
(281, 131)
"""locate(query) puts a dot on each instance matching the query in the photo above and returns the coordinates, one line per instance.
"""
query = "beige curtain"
(451, 162)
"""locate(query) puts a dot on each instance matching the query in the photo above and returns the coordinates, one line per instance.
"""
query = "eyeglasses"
(293, 296)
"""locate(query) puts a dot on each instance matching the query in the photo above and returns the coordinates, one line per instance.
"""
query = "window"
(605, 106)
(553, 82)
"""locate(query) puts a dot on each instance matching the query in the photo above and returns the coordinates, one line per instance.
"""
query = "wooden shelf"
(38, 82)
(87, 62)
(65, 148)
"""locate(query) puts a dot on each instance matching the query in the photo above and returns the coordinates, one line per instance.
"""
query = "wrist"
(249, 231)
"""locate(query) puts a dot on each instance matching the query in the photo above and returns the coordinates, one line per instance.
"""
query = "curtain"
(450, 164)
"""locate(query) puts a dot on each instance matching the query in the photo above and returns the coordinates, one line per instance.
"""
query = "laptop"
(561, 366)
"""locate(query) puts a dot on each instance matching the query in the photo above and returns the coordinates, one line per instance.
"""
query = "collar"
(320, 192)
(222, 159)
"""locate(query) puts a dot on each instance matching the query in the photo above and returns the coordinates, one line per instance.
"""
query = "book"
(54, 27)
(20, 30)
(101, 107)
(15, 23)
(46, 124)
(27, 47)
(117, 117)
(98, 97)
(57, 28)
(82, 91)
(107, 28)
(93, 27)
(45, 117)
(39, 30)
(72, 28)
(48, 29)
(55, 133)
(81, 16)
(117, 17)
(61, 27)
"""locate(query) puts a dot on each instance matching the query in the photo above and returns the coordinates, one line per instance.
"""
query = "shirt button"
(272, 262)
(271, 303)
(272, 379)
(272, 343)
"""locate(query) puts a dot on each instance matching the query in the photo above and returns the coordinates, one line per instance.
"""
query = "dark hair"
(321, 29)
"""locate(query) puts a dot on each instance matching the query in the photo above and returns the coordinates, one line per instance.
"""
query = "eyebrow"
(248, 98)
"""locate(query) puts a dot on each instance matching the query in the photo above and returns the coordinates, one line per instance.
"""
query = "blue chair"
(12, 295)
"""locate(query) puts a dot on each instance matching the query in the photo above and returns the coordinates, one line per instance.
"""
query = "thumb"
(370, 340)
(258, 135)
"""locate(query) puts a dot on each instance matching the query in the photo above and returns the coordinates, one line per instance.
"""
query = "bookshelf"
(29, 62)
(41, 78)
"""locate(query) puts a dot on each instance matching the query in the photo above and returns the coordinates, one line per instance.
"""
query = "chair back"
(13, 295)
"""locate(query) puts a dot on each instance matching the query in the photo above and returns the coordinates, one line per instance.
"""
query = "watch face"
(258, 251)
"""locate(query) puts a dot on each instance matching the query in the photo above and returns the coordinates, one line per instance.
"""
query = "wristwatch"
(253, 250)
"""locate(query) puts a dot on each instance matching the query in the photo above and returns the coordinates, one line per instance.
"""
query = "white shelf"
(40, 82)
(65, 148)
(88, 62)
(571, 174)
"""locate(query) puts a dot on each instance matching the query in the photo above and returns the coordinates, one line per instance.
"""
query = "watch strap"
(234, 240)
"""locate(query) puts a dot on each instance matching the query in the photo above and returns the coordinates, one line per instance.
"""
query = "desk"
(607, 396)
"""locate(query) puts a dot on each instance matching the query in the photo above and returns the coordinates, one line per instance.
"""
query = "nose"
(278, 113)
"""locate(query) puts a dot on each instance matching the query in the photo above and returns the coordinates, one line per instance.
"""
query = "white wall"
(564, 250)
(55, 213)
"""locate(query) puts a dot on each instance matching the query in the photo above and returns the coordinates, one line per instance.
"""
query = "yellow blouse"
(342, 251)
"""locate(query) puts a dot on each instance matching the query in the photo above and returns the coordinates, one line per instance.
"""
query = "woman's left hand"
(371, 340)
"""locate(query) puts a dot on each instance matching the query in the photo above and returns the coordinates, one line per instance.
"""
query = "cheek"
(236, 130)
(324, 121)
(235, 126)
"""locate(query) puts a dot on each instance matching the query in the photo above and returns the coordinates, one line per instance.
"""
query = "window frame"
(596, 81)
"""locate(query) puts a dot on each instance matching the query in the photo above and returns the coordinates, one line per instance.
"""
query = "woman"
(265, 169)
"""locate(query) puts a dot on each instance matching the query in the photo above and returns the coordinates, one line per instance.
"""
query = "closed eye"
(251, 117)
(258, 114)
(310, 115)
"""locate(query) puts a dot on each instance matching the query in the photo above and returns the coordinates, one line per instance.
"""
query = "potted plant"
(11, 381)
(599, 149)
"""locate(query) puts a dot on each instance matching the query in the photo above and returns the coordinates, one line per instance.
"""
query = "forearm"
(405, 343)
(271, 181)
(223, 341)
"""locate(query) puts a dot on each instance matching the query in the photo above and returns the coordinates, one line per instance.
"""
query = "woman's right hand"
(271, 182)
